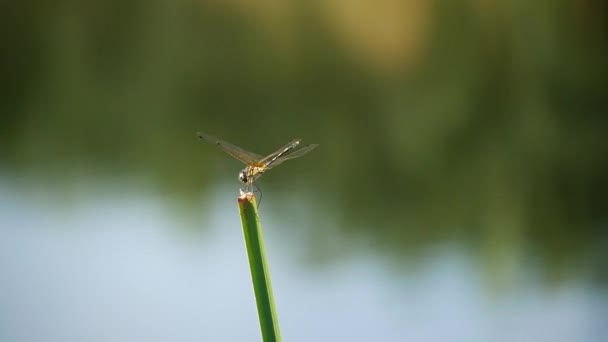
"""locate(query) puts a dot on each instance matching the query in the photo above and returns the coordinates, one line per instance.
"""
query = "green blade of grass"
(260, 275)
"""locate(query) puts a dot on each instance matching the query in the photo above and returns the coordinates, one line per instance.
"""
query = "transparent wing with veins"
(292, 155)
(271, 158)
(236, 152)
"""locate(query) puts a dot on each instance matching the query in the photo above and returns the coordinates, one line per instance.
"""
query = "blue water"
(115, 263)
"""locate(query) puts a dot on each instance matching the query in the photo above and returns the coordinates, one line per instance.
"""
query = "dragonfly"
(258, 164)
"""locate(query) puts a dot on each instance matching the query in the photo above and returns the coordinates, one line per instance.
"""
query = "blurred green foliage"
(493, 133)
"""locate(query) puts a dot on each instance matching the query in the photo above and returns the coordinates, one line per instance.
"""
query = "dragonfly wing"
(235, 151)
(283, 150)
(293, 155)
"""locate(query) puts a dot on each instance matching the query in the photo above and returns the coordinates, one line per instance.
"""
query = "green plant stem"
(260, 276)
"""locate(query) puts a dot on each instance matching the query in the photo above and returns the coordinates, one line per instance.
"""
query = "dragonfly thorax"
(251, 173)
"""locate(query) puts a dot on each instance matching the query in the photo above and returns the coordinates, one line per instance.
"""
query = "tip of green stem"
(246, 197)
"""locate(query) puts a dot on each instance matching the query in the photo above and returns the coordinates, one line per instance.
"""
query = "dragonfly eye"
(243, 176)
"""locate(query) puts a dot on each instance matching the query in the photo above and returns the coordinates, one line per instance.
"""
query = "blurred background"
(459, 192)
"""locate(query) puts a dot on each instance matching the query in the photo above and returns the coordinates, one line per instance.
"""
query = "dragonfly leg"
(246, 188)
(259, 191)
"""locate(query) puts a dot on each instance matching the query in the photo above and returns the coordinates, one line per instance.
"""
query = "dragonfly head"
(243, 176)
